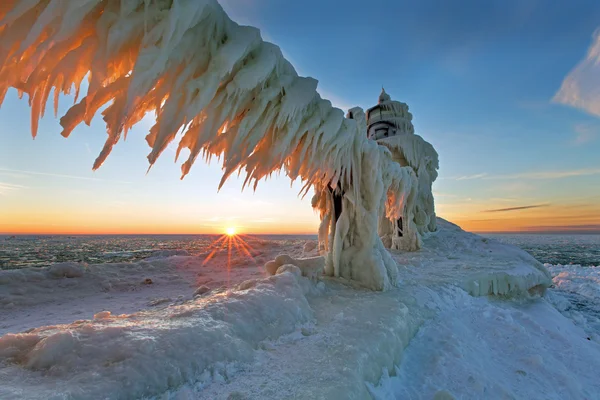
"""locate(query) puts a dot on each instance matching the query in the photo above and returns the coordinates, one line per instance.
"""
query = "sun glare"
(230, 231)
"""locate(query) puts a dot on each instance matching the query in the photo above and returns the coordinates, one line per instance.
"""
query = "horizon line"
(544, 232)
(523, 232)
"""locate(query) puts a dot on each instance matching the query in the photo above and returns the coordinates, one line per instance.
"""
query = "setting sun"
(230, 231)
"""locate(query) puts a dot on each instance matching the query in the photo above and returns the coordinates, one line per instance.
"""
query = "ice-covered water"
(42, 251)
(21, 251)
(557, 249)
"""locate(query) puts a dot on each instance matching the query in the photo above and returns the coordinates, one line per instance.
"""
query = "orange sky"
(510, 218)
(50, 218)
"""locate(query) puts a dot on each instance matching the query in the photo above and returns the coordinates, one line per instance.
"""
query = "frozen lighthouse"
(390, 124)
(388, 204)
(388, 118)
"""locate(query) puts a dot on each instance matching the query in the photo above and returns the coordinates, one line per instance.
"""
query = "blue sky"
(478, 76)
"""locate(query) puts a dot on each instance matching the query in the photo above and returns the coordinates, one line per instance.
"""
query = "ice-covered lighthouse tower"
(389, 123)
(388, 118)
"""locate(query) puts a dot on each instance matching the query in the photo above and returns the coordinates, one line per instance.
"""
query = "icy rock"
(159, 301)
(250, 283)
(271, 267)
(102, 315)
(202, 290)
(310, 267)
(310, 246)
(289, 268)
(66, 270)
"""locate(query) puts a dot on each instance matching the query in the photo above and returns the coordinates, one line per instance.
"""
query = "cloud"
(85, 178)
(9, 187)
(549, 174)
(517, 208)
(505, 199)
(535, 175)
(585, 134)
(469, 177)
(581, 87)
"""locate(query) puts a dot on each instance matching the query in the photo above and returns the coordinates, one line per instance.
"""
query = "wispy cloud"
(535, 175)
(9, 187)
(517, 208)
(85, 178)
(585, 134)
(470, 177)
(549, 174)
(581, 87)
(505, 199)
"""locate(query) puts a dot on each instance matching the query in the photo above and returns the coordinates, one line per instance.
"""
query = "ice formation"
(223, 91)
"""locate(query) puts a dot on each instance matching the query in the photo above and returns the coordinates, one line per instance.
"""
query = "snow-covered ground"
(106, 333)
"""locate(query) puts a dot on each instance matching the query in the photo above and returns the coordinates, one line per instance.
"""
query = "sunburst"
(229, 241)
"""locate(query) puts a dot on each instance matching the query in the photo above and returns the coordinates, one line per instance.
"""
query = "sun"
(230, 231)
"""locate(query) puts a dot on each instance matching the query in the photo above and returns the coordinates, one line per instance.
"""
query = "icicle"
(233, 95)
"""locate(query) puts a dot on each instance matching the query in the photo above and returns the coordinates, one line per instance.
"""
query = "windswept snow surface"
(245, 336)
(481, 348)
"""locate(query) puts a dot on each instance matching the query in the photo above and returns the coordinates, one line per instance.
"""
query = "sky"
(481, 78)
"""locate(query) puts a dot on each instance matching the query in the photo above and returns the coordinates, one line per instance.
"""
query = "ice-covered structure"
(389, 124)
(219, 90)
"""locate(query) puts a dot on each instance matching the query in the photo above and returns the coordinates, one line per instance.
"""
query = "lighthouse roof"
(383, 97)
(391, 112)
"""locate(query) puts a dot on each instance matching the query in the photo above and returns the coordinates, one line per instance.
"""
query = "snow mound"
(484, 348)
(150, 352)
(479, 265)
(518, 282)
(309, 267)
(355, 334)
(66, 270)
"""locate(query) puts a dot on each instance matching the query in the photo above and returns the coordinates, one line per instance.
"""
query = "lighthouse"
(388, 118)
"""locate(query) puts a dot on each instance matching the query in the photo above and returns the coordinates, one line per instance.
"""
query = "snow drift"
(149, 352)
